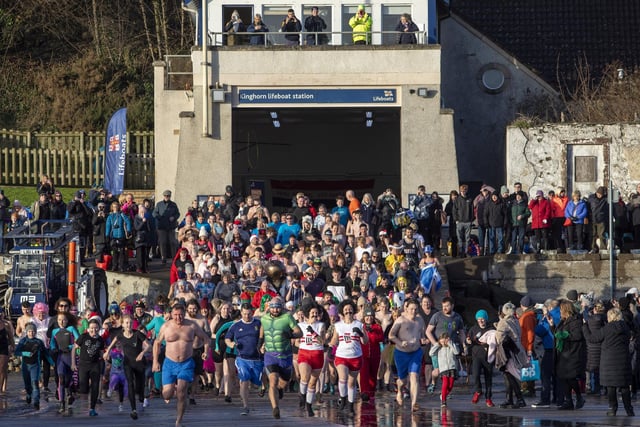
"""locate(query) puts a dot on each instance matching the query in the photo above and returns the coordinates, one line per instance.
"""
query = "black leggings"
(512, 387)
(482, 366)
(89, 377)
(135, 383)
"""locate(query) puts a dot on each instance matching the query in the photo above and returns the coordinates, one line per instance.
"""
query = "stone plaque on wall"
(586, 169)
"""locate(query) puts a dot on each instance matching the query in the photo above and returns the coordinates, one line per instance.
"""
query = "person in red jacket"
(370, 355)
(540, 220)
(264, 290)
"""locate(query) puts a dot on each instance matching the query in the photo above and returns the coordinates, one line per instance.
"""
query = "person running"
(177, 369)
(277, 330)
(348, 337)
(223, 316)
(134, 346)
(408, 333)
(89, 368)
(32, 350)
(370, 355)
(446, 351)
(310, 355)
(193, 314)
(479, 349)
(62, 340)
(41, 321)
(244, 338)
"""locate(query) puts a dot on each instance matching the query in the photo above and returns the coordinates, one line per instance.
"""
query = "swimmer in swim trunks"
(179, 334)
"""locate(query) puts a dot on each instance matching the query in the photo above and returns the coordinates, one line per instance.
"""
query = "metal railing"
(333, 38)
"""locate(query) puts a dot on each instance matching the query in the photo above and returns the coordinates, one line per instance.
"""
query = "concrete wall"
(192, 164)
(480, 118)
(544, 277)
(540, 157)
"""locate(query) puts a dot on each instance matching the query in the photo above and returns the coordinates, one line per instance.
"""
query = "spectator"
(510, 356)
(407, 30)
(45, 186)
(81, 215)
(570, 355)
(58, 206)
(258, 28)
(235, 25)
(528, 322)
(575, 214)
(558, 205)
(519, 215)
(291, 24)
(314, 24)
(479, 204)
(361, 25)
(166, 214)
(495, 217)
(462, 214)
(118, 230)
(599, 219)
(615, 363)
(634, 210)
(540, 220)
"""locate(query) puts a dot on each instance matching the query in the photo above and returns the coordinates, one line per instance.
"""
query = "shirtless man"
(22, 321)
(408, 334)
(179, 334)
(193, 314)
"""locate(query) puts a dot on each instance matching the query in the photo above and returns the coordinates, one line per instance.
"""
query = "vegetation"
(68, 65)
(614, 98)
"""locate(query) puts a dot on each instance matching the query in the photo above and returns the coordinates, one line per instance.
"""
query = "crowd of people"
(316, 300)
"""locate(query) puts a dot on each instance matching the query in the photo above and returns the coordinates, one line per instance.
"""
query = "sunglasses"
(63, 305)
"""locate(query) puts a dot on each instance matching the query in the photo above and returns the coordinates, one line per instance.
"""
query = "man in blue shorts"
(179, 334)
(277, 330)
(408, 334)
(244, 337)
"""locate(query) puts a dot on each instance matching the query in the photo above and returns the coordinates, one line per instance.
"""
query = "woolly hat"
(572, 295)
(30, 327)
(504, 189)
(482, 314)
(526, 301)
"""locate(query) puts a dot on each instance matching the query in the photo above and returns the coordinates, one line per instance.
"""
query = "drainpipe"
(205, 69)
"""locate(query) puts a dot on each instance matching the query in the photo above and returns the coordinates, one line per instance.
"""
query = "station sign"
(367, 96)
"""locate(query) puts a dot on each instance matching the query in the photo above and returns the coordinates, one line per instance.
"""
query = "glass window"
(273, 16)
(324, 12)
(390, 19)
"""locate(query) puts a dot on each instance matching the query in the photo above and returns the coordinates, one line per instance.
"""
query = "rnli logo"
(388, 93)
(114, 143)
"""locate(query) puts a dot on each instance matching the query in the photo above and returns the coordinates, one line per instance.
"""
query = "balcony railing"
(333, 38)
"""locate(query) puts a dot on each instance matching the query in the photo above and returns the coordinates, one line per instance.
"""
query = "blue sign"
(116, 152)
(317, 96)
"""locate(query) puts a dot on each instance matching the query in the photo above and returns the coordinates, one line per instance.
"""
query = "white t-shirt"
(308, 340)
(349, 346)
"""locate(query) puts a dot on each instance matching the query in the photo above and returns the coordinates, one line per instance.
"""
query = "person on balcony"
(361, 25)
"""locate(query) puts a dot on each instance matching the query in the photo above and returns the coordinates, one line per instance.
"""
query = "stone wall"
(550, 276)
(543, 157)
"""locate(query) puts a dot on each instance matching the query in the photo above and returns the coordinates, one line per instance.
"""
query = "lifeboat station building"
(278, 117)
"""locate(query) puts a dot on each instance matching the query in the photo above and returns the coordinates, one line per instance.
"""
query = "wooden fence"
(73, 159)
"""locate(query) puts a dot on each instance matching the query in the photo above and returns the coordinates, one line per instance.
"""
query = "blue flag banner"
(116, 152)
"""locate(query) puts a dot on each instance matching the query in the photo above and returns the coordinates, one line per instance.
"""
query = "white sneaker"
(109, 393)
(120, 408)
(145, 403)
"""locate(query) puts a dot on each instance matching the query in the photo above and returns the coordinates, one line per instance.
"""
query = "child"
(446, 352)
(117, 380)
(62, 339)
(33, 351)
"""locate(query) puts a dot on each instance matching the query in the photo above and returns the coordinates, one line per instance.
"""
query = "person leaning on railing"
(407, 30)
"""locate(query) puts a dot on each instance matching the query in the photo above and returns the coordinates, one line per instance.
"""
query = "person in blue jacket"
(33, 351)
(118, 230)
(575, 213)
(544, 330)
(257, 27)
